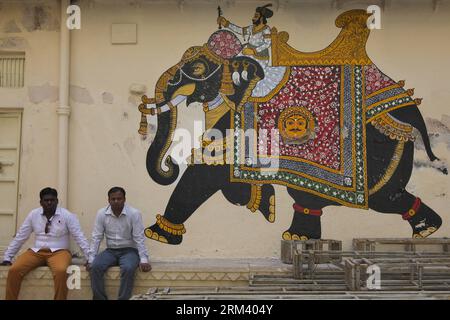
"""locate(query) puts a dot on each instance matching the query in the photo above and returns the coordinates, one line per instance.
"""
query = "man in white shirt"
(123, 229)
(51, 225)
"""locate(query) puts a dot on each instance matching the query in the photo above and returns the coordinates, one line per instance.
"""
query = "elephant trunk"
(155, 155)
(167, 121)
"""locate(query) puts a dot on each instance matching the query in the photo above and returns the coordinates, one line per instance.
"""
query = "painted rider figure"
(258, 47)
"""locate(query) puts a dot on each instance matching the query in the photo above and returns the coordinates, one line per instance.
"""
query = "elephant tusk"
(236, 78)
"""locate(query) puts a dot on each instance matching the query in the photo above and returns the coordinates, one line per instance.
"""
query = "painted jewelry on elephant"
(393, 128)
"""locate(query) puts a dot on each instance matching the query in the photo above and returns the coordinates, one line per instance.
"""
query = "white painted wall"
(38, 163)
(105, 148)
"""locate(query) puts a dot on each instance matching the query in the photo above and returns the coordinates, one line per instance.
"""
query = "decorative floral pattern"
(382, 93)
(375, 79)
(316, 89)
(225, 44)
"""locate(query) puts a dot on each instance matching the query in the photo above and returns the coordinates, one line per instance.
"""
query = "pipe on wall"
(63, 109)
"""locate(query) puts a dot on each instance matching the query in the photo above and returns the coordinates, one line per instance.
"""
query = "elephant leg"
(198, 184)
(393, 198)
(422, 219)
(306, 219)
(256, 197)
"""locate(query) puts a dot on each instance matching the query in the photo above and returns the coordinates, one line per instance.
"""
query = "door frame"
(16, 112)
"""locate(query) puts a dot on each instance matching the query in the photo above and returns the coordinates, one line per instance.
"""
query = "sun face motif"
(296, 125)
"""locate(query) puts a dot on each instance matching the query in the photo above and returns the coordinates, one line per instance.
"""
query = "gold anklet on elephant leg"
(166, 225)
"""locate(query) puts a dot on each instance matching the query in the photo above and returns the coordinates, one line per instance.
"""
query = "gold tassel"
(401, 83)
(418, 101)
(143, 125)
(226, 86)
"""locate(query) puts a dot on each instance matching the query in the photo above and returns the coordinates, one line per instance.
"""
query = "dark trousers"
(128, 261)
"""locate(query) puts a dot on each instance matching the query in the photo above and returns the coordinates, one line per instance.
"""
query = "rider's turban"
(265, 11)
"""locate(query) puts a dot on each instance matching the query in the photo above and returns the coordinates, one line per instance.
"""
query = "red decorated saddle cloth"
(310, 133)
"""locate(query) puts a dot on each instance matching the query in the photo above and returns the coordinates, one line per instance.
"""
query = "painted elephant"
(201, 76)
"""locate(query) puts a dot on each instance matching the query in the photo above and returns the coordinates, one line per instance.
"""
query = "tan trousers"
(57, 261)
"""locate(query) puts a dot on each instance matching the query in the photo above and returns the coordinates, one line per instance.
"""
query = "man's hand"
(249, 51)
(87, 266)
(5, 263)
(145, 267)
(222, 21)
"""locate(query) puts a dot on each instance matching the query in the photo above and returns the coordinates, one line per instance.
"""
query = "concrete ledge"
(38, 284)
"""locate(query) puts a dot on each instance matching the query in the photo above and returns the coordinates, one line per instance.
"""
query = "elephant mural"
(345, 135)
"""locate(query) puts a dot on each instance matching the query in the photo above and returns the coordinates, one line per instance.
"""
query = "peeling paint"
(16, 43)
(39, 17)
(138, 89)
(134, 100)
(438, 132)
(108, 97)
(436, 126)
(11, 27)
(426, 163)
(81, 95)
(446, 120)
(46, 92)
(439, 135)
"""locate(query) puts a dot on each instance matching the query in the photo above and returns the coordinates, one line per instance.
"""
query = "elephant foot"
(156, 233)
(305, 224)
(422, 220)
(263, 199)
(164, 231)
(424, 233)
(425, 227)
(287, 235)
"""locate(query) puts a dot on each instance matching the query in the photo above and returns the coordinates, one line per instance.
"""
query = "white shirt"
(124, 231)
(62, 224)
(260, 40)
